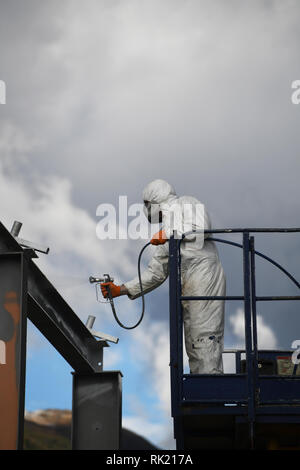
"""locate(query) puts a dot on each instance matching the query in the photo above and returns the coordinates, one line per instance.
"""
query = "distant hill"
(51, 430)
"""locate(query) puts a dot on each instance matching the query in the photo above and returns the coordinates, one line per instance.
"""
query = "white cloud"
(112, 357)
(152, 342)
(150, 85)
(50, 217)
(266, 338)
(153, 432)
(15, 144)
(151, 350)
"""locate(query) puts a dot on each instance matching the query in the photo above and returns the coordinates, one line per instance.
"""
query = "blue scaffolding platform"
(256, 407)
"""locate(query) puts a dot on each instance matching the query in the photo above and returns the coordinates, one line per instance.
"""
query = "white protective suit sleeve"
(152, 277)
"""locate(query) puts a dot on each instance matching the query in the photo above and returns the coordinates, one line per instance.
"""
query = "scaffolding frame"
(248, 397)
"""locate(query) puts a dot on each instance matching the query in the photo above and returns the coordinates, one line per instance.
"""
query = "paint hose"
(142, 295)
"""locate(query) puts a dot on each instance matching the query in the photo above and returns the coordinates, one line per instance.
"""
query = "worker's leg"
(204, 352)
(206, 355)
(204, 325)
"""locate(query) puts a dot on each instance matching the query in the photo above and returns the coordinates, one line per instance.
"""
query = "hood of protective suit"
(158, 193)
(177, 214)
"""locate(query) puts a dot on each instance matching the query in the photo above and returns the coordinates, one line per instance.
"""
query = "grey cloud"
(196, 92)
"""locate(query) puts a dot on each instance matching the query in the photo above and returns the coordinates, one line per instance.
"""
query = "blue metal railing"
(249, 298)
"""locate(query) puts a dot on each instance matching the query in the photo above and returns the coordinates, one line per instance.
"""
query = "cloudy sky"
(105, 95)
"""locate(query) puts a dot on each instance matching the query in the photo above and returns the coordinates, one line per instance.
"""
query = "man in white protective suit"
(201, 271)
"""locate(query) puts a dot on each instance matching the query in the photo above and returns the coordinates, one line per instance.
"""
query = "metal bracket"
(104, 336)
(98, 334)
(15, 230)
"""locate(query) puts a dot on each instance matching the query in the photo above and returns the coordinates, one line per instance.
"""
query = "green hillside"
(55, 434)
(38, 437)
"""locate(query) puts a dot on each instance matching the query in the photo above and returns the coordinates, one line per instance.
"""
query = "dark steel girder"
(55, 319)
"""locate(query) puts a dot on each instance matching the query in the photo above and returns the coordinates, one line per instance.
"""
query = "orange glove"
(114, 290)
(159, 238)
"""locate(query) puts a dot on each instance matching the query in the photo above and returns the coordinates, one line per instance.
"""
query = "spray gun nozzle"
(94, 279)
(105, 278)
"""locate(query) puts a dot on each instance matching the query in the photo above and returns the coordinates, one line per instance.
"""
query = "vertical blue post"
(173, 266)
(254, 322)
(179, 323)
(175, 369)
(248, 336)
(238, 362)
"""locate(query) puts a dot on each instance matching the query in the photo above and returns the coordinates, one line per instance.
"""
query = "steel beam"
(97, 411)
(51, 314)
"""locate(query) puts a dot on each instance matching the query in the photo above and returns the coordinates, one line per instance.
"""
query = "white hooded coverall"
(201, 275)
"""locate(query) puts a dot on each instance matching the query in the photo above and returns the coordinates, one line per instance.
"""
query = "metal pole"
(97, 411)
(174, 336)
(254, 325)
(248, 336)
(179, 323)
(90, 321)
(173, 324)
(15, 230)
(180, 433)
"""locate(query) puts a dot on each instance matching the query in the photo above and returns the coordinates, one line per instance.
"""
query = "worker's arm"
(155, 274)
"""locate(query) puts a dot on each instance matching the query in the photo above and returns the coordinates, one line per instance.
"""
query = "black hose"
(142, 294)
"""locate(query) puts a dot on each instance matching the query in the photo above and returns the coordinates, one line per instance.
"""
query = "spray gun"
(98, 281)
(107, 278)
